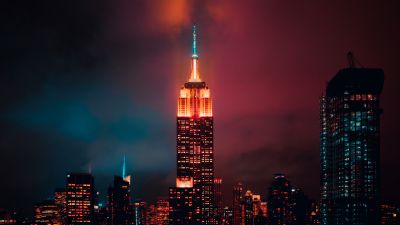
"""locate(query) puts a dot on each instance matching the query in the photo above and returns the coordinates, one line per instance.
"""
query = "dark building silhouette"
(195, 149)
(237, 203)
(80, 198)
(280, 201)
(350, 147)
(118, 202)
(248, 208)
(227, 217)
(260, 219)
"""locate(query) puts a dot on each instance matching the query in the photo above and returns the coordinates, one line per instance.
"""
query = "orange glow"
(195, 102)
(194, 77)
(205, 103)
(128, 179)
(184, 182)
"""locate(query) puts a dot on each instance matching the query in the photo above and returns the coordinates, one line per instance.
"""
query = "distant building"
(260, 219)
(151, 215)
(350, 147)
(248, 208)
(8, 217)
(264, 208)
(227, 217)
(80, 198)
(162, 212)
(301, 207)
(390, 215)
(140, 212)
(237, 203)
(47, 212)
(280, 209)
(256, 204)
(118, 202)
(100, 216)
(313, 215)
(219, 204)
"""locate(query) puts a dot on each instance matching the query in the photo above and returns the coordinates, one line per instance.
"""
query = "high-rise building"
(237, 203)
(47, 212)
(140, 212)
(195, 145)
(219, 204)
(350, 147)
(118, 202)
(264, 208)
(256, 204)
(280, 209)
(227, 217)
(248, 208)
(80, 198)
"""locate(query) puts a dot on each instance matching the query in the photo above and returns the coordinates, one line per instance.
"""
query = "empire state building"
(192, 200)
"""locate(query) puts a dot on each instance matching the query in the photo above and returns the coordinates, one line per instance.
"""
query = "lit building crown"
(195, 98)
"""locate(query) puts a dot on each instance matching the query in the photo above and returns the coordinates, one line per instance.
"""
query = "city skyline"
(95, 105)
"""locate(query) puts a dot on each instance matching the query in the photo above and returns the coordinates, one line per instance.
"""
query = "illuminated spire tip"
(194, 77)
(194, 44)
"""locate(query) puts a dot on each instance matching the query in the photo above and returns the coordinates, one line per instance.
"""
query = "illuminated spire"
(124, 167)
(194, 77)
(194, 44)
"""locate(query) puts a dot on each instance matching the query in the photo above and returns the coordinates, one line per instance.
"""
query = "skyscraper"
(80, 198)
(195, 144)
(118, 202)
(237, 203)
(280, 209)
(119, 196)
(350, 147)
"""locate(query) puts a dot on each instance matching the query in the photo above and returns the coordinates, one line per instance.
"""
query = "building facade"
(80, 198)
(350, 147)
(118, 202)
(280, 202)
(195, 146)
(219, 204)
(237, 203)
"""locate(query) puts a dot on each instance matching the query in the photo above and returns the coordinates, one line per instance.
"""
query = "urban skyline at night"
(294, 125)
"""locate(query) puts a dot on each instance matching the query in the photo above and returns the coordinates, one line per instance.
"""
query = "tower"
(80, 198)
(119, 196)
(350, 147)
(237, 204)
(280, 200)
(195, 145)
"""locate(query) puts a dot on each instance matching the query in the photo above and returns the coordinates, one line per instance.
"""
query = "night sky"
(84, 82)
